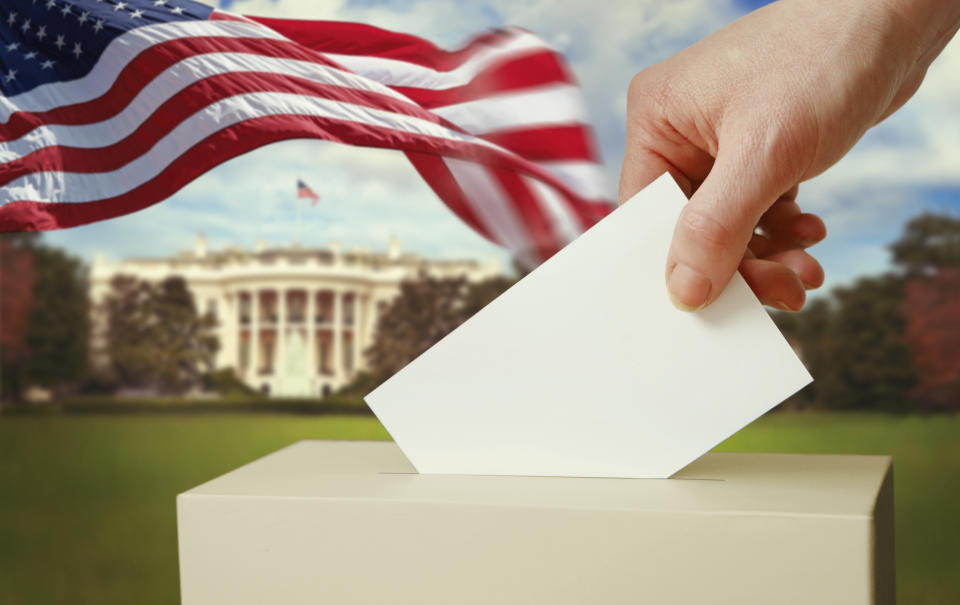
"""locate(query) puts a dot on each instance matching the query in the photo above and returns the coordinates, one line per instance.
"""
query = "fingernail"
(782, 306)
(689, 289)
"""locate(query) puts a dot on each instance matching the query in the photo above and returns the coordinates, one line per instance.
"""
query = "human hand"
(742, 117)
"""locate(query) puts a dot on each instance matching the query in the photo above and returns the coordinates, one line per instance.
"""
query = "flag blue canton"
(45, 41)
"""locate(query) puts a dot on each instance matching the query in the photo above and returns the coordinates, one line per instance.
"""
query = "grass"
(87, 502)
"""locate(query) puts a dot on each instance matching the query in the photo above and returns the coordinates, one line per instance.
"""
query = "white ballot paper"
(584, 367)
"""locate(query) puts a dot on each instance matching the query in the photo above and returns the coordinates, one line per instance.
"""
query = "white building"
(291, 321)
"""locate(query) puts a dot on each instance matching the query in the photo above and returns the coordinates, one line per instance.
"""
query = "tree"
(155, 338)
(868, 364)
(932, 307)
(44, 318)
(853, 346)
(929, 253)
(425, 310)
(929, 242)
(58, 334)
(16, 299)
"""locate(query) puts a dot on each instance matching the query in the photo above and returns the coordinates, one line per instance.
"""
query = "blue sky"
(906, 165)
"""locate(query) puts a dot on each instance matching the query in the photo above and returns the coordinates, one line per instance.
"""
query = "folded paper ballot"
(584, 367)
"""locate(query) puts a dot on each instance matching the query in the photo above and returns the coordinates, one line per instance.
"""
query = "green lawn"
(87, 502)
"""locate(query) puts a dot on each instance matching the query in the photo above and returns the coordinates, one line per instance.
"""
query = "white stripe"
(559, 104)
(587, 179)
(85, 187)
(561, 216)
(393, 72)
(116, 56)
(490, 202)
(170, 82)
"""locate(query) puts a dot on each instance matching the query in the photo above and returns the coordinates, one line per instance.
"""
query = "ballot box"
(324, 522)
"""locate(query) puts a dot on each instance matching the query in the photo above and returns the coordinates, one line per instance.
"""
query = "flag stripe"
(559, 104)
(529, 71)
(568, 223)
(364, 42)
(494, 209)
(539, 228)
(436, 173)
(547, 143)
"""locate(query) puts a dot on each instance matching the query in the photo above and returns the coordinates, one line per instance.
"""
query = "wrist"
(929, 24)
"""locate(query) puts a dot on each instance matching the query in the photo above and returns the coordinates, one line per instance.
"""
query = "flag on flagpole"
(106, 108)
(304, 191)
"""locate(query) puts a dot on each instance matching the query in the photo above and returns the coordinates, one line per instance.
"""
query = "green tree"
(45, 322)
(59, 324)
(155, 339)
(425, 310)
(929, 242)
(867, 364)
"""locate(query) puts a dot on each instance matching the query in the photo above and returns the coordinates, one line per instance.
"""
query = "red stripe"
(140, 71)
(359, 39)
(538, 69)
(183, 105)
(539, 229)
(551, 143)
(436, 173)
(231, 142)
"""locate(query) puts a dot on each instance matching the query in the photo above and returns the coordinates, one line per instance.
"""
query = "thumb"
(717, 223)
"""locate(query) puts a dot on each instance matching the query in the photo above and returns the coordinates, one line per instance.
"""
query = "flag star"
(60, 42)
(178, 10)
(42, 32)
(83, 17)
(26, 26)
(98, 25)
(10, 75)
(51, 4)
(136, 14)
(159, 2)
(13, 46)
(12, 19)
(77, 51)
(30, 55)
(65, 10)
(46, 64)
(120, 6)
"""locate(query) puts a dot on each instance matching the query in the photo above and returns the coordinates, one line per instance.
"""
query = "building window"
(244, 353)
(244, 310)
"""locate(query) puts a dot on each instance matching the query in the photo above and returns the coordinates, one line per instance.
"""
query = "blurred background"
(147, 354)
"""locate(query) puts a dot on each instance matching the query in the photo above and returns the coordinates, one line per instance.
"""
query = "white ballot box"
(353, 523)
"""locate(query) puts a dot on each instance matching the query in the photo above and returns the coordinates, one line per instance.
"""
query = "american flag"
(109, 106)
(304, 191)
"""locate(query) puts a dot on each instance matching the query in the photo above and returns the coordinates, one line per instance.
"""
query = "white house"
(292, 321)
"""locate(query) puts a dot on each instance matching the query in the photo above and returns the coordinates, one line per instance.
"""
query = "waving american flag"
(109, 106)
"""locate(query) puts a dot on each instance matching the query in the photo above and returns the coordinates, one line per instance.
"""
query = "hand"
(742, 117)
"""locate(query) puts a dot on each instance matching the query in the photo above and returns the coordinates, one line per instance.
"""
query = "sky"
(907, 165)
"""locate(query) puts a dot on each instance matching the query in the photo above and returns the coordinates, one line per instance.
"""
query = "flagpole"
(296, 238)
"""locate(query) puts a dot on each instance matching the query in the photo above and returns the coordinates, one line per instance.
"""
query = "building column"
(280, 353)
(337, 332)
(312, 361)
(254, 335)
(355, 332)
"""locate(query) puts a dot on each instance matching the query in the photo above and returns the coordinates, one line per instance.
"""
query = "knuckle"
(704, 228)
